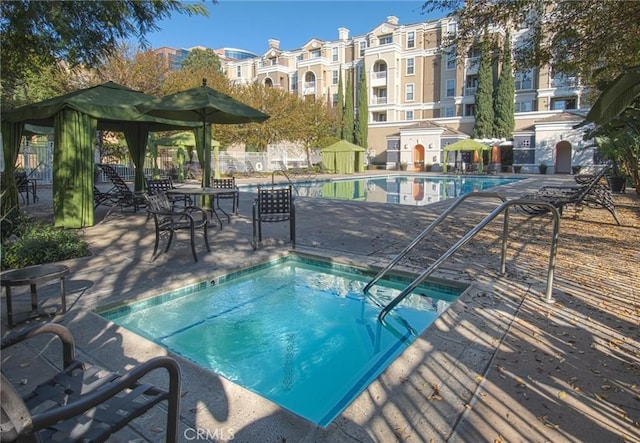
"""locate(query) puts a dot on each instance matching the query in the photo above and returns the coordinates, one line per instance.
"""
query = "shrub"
(38, 243)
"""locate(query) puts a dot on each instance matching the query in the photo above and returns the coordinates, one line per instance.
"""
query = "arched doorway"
(418, 157)
(563, 158)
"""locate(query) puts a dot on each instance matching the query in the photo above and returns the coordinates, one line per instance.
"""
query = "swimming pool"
(397, 189)
(295, 330)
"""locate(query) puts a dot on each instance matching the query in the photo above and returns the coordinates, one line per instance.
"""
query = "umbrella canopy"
(467, 145)
(75, 118)
(616, 97)
(343, 157)
(204, 105)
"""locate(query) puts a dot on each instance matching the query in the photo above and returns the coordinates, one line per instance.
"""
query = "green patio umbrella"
(467, 144)
(205, 105)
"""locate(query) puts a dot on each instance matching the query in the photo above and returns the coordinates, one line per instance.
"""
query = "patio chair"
(123, 196)
(103, 198)
(273, 205)
(593, 194)
(169, 218)
(233, 195)
(162, 185)
(84, 402)
(25, 187)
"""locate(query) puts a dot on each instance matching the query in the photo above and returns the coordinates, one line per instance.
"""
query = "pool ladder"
(273, 179)
(504, 207)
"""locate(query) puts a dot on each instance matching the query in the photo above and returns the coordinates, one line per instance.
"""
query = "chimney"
(343, 33)
(392, 19)
(274, 44)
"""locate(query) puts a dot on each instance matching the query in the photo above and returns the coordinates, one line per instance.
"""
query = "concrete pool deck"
(501, 365)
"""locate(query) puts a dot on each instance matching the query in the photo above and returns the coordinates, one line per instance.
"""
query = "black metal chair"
(233, 195)
(169, 218)
(273, 205)
(83, 402)
(157, 185)
(26, 186)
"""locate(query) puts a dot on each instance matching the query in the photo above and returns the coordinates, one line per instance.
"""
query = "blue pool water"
(398, 189)
(299, 332)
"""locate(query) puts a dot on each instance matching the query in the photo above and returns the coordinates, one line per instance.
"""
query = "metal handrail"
(464, 240)
(428, 230)
(273, 179)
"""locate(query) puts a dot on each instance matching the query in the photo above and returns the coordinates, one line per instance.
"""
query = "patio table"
(206, 192)
(32, 275)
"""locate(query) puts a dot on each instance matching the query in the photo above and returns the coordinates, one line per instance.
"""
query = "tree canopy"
(36, 34)
(595, 41)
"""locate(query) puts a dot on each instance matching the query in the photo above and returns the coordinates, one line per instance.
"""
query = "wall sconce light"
(406, 146)
(435, 158)
(430, 145)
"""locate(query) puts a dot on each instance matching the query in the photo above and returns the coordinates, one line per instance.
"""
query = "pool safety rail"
(504, 207)
(283, 172)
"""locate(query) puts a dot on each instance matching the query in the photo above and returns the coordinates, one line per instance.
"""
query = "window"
(294, 81)
(238, 71)
(408, 115)
(524, 106)
(273, 61)
(411, 39)
(379, 116)
(470, 110)
(334, 100)
(451, 60)
(385, 39)
(300, 57)
(410, 66)
(363, 46)
(449, 111)
(315, 53)
(408, 92)
(452, 28)
(451, 88)
(334, 79)
(524, 80)
(334, 54)
(560, 104)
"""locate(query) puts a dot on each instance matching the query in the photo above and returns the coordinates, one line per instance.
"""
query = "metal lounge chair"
(592, 194)
(273, 205)
(168, 218)
(121, 194)
(82, 402)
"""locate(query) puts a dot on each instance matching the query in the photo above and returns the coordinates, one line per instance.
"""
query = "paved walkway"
(501, 365)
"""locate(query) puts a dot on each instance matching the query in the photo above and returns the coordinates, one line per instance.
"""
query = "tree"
(340, 107)
(595, 41)
(134, 68)
(314, 126)
(504, 107)
(202, 59)
(37, 33)
(348, 117)
(484, 115)
(362, 127)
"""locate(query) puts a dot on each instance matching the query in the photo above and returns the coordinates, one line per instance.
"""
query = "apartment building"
(421, 95)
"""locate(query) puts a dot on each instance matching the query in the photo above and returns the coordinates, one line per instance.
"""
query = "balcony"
(309, 88)
(378, 100)
(470, 90)
(378, 78)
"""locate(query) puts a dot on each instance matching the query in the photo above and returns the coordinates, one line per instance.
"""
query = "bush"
(38, 243)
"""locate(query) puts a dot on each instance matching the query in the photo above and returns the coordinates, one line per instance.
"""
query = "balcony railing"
(379, 100)
(379, 75)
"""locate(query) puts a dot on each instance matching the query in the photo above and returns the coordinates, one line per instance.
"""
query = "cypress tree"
(348, 118)
(362, 128)
(340, 108)
(484, 94)
(504, 107)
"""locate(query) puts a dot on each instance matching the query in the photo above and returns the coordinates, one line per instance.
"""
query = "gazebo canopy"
(467, 144)
(75, 118)
(343, 157)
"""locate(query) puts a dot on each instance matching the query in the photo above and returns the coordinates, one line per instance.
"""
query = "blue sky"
(250, 24)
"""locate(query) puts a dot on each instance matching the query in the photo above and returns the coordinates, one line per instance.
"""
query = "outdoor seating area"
(590, 193)
(84, 402)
